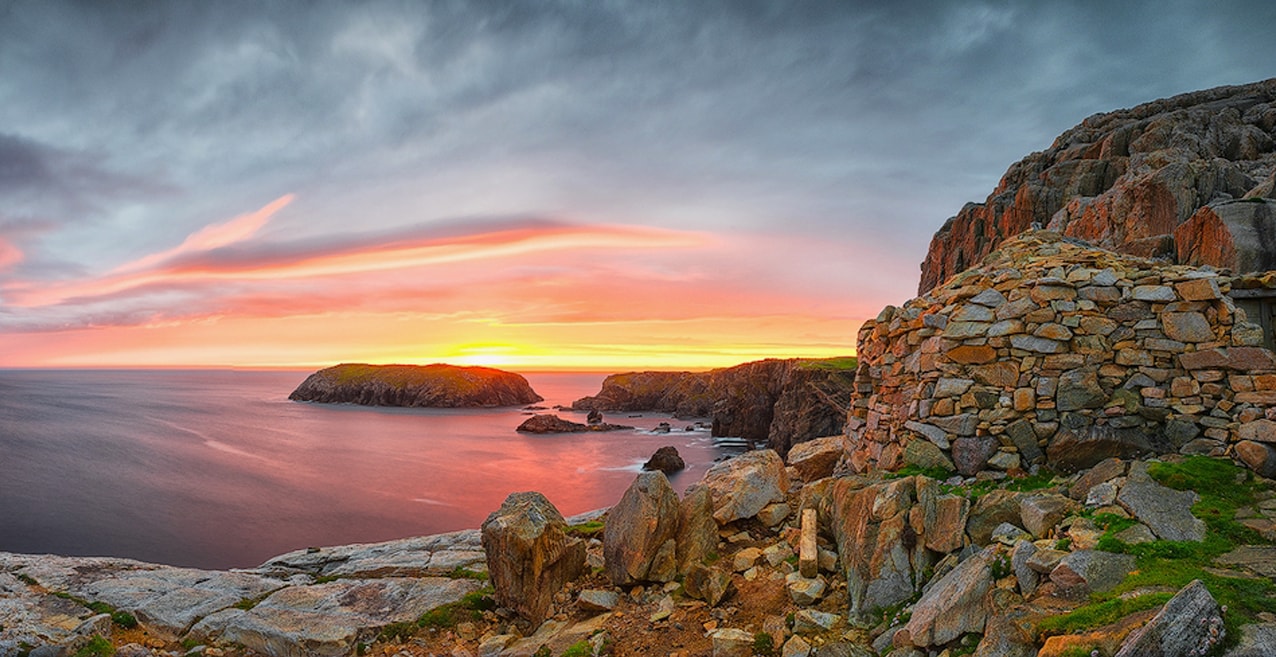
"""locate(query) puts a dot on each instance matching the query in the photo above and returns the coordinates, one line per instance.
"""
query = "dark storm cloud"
(858, 121)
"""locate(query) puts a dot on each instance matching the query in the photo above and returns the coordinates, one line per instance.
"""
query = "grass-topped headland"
(437, 385)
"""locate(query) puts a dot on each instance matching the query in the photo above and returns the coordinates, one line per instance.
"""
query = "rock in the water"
(529, 555)
(438, 385)
(1091, 571)
(666, 460)
(638, 527)
(741, 486)
(954, 605)
(595, 416)
(815, 459)
(1190, 624)
(550, 423)
(1166, 511)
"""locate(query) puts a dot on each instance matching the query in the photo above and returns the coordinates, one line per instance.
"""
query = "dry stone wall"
(1060, 353)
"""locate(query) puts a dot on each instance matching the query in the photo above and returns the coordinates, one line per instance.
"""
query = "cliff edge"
(437, 386)
(1187, 179)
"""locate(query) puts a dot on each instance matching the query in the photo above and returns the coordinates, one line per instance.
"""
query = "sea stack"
(433, 386)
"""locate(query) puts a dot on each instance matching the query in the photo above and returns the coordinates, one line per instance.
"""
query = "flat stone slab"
(1257, 559)
(1167, 512)
(410, 557)
(330, 619)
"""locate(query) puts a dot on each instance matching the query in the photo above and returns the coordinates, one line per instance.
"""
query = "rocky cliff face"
(440, 386)
(1164, 179)
(782, 402)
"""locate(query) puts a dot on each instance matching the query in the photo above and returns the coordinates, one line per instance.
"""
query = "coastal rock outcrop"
(1164, 179)
(438, 385)
(529, 554)
(666, 460)
(550, 423)
(779, 402)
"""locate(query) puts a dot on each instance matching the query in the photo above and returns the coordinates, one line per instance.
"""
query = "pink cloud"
(213, 236)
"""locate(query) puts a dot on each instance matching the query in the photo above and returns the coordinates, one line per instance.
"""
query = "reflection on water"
(219, 469)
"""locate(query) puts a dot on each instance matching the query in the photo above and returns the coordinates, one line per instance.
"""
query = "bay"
(217, 469)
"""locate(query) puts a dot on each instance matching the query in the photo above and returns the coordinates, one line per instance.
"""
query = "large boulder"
(1084, 572)
(991, 510)
(742, 486)
(815, 459)
(529, 554)
(639, 538)
(697, 530)
(1190, 624)
(879, 548)
(954, 605)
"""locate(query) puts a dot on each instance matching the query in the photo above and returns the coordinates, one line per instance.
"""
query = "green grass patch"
(326, 579)
(1043, 479)
(1098, 614)
(96, 647)
(1223, 488)
(27, 579)
(763, 644)
(912, 470)
(461, 572)
(579, 649)
(467, 609)
(837, 364)
(590, 529)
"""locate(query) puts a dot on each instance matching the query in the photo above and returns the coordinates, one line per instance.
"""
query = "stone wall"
(1056, 352)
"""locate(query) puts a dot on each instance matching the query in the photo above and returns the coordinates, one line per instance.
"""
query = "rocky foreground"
(435, 386)
(761, 557)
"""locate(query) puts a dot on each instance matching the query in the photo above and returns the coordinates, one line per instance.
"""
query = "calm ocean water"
(218, 469)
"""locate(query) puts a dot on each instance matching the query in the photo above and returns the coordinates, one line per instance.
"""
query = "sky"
(590, 184)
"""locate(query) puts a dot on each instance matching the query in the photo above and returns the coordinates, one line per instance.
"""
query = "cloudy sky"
(532, 184)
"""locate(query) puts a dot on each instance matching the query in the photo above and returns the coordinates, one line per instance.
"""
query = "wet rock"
(529, 555)
(741, 486)
(1165, 510)
(638, 528)
(1190, 624)
(666, 460)
(954, 605)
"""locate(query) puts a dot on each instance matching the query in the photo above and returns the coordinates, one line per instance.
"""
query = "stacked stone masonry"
(1056, 352)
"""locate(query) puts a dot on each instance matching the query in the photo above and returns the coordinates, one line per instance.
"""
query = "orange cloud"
(213, 236)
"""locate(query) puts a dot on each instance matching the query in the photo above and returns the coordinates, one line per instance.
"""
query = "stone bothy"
(1055, 352)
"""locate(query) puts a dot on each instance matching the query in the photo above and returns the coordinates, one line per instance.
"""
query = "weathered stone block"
(529, 555)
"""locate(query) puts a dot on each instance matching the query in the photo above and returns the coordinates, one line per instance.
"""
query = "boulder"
(707, 583)
(1025, 576)
(638, 528)
(1257, 640)
(1040, 513)
(741, 486)
(924, 454)
(954, 605)
(991, 510)
(1084, 572)
(1073, 450)
(805, 591)
(529, 554)
(666, 460)
(971, 453)
(1260, 457)
(815, 459)
(697, 530)
(597, 600)
(1165, 510)
(1190, 624)
(1105, 470)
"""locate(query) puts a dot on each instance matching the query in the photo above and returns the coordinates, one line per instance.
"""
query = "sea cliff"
(774, 402)
(438, 385)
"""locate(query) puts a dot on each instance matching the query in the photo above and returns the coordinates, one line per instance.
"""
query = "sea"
(218, 469)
